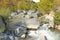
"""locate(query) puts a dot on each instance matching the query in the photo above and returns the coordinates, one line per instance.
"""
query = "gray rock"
(32, 23)
(2, 25)
(4, 37)
(19, 22)
(31, 19)
(20, 28)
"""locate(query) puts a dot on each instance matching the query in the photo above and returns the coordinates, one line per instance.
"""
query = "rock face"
(2, 25)
(50, 19)
(32, 23)
(32, 19)
(19, 21)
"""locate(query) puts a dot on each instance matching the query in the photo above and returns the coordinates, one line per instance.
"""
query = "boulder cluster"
(18, 24)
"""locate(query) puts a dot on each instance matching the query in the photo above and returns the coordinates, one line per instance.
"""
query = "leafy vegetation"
(44, 6)
(57, 18)
(5, 12)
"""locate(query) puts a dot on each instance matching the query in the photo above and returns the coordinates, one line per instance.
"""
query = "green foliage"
(45, 6)
(22, 5)
(26, 5)
(5, 12)
(57, 18)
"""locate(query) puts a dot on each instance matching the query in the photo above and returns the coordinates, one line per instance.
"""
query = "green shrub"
(57, 18)
(5, 12)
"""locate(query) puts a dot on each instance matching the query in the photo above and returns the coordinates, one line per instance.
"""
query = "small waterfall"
(41, 34)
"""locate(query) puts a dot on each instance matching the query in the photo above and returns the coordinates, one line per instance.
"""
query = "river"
(50, 34)
(40, 34)
(54, 34)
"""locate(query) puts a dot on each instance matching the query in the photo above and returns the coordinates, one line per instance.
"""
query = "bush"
(57, 18)
(5, 12)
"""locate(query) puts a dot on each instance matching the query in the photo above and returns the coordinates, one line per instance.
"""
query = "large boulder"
(2, 25)
(19, 21)
(32, 23)
(16, 23)
(31, 19)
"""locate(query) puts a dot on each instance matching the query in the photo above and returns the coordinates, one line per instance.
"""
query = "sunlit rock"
(23, 20)
(23, 36)
(32, 23)
(19, 28)
(50, 19)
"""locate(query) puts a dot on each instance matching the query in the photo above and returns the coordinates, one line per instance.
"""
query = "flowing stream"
(44, 34)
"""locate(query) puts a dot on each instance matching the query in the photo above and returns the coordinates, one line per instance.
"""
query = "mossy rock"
(2, 30)
(2, 25)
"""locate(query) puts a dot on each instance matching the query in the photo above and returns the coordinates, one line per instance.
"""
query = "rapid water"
(55, 34)
(44, 34)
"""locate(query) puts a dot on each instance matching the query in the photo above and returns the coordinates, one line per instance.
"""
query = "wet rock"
(13, 37)
(31, 19)
(17, 14)
(43, 27)
(28, 16)
(20, 28)
(16, 23)
(2, 25)
(32, 23)
(4, 37)
(49, 18)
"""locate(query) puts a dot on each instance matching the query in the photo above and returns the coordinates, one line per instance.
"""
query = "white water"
(41, 33)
